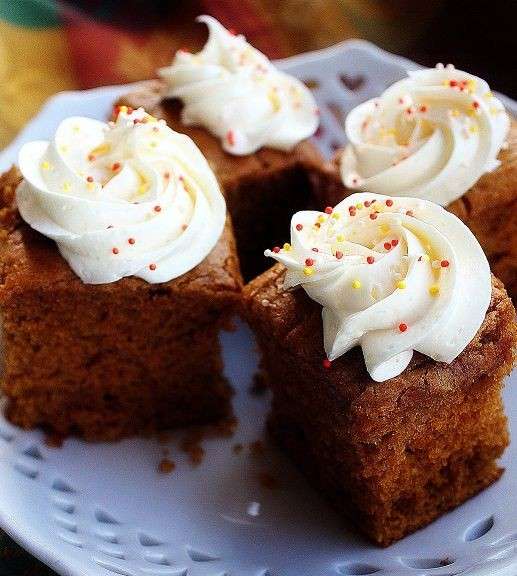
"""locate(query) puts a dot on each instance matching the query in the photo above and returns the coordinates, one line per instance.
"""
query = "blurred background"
(52, 45)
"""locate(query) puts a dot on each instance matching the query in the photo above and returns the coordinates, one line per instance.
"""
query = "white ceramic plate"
(104, 509)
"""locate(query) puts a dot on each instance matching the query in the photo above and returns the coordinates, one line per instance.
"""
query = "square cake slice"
(262, 190)
(392, 456)
(110, 360)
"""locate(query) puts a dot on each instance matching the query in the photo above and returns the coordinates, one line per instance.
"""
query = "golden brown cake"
(414, 425)
(391, 456)
(109, 359)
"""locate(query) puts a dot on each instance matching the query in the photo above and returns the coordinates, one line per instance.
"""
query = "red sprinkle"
(115, 166)
(444, 263)
(299, 227)
(367, 203)
(152, 266)
(309, 262)
(315, 250)
(157, 208)
(115, 250)
(373, 215)
(423, 109)
(339, 255)
(131, 240)
(394, 242)
(327, 363)
(389, 202)
(328, 210)
(276, 249)
(475, 104)
(387, 245)
(166, 175)
(89, 179)
(409, 213)
(370, 259)
(91, 157)
(453, 83)
(230, 137)
(402, 327)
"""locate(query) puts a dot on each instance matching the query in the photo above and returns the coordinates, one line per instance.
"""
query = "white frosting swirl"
(393, 275)
(432, 136)
(235, 92)
(132, 198)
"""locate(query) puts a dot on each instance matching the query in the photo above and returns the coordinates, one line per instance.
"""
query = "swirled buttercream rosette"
(431, 135)
(394, 275)
(129, 198)
(236, 93)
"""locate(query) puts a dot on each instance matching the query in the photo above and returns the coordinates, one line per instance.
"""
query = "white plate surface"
(103, 509)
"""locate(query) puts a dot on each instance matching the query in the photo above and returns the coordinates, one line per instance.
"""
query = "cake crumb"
(54, 440)
(166, 466)
(237, 448)
(259, 385)
(267, 480)
(257, 448)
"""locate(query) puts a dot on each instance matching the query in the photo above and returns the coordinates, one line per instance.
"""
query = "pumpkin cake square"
(398, 438)
(94, 346)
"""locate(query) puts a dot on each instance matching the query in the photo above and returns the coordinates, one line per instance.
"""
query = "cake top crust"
(30, 261)
(291, 320)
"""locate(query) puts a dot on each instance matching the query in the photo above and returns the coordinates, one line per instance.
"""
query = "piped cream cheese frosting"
(129, 198)
(431, 135)
(394, 275)
(236, 93)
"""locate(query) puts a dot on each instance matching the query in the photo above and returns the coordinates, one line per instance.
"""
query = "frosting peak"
(235, 92)
(129, 198)
(431, 135)
(393, 275)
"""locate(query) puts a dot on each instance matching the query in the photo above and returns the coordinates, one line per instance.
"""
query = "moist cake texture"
(391, 456)
(262, 190)
(110, 360)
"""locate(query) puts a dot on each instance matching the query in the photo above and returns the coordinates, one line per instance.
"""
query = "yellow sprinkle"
(153, 144)
(488, 95)
(359, 205)
(90, 185)
(274, 100)
(455, 112)
(356, 284)
(46, 165)
(474, 128)
(426, 257)
(471, 112)
(494, 111)
(445, 83)
(66, 186)
(471, 85)
(384, 228)
(123, 109)
(308, 271)
(434, 290)
(401, 284)
(101, 149)
(336, 215)
(321, 219)
(340, 238)
(287, 246)
(142, 188)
